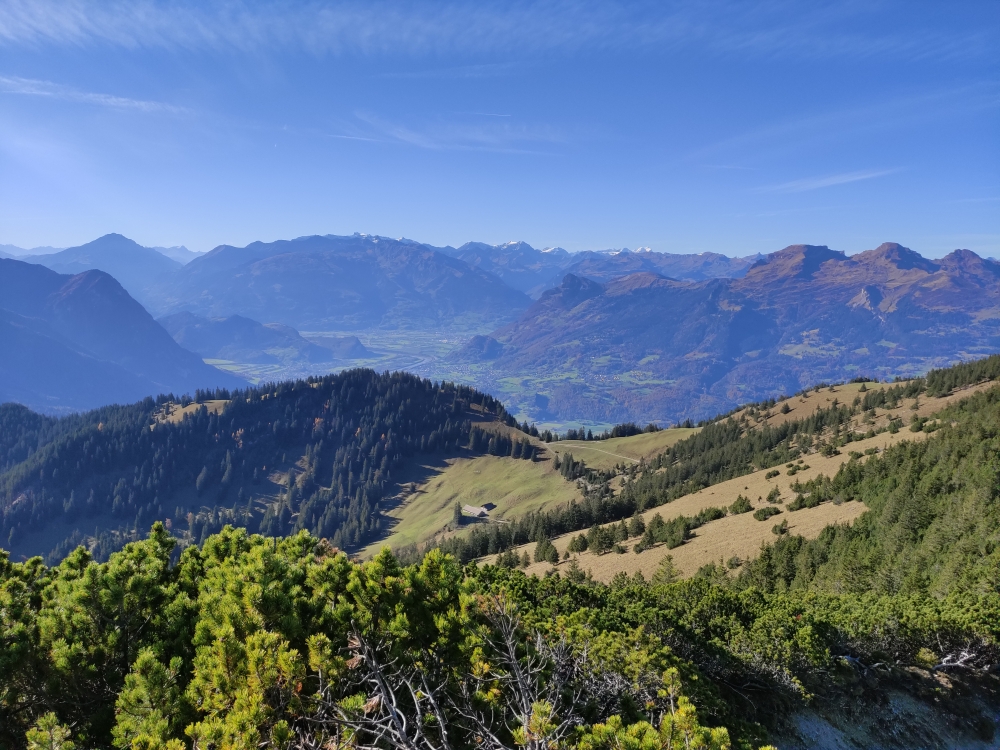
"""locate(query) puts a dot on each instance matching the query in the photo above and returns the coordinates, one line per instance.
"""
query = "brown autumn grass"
(742, 535)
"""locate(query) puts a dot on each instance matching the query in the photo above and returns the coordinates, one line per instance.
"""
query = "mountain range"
(648, 347)
(339, 283)
(534, 271)
(601, 337)
(13, 251)
(78, 341)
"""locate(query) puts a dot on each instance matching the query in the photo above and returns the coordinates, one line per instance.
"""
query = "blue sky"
(732, 127)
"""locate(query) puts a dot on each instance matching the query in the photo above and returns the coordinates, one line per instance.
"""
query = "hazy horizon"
(690, 127)
(49, 250)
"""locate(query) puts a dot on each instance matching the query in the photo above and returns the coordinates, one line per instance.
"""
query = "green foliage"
(944, 381)
(724, 449)
(545, 551)
(740, 505)
(49, 734)
(508, 559)
(678, 729)
(499, 444)
(578, 543)
(600, 539)
(151, 707)
(762, 514)
(932, 523)
(247, 640)
(666, 572)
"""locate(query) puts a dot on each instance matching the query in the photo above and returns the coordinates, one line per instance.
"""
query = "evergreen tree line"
(721, 450)
(569, 467)
(728, 448)
(119, 468)
(943, 381)
(497, 444)
(626, 429)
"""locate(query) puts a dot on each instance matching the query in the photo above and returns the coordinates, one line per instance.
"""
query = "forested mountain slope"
(644, 347)
(933, 520)
(317, 455)
(679, 499)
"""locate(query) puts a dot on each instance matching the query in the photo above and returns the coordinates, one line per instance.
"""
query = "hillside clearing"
(424, 507)
(606, 454)
(515, 487)
(174, 413)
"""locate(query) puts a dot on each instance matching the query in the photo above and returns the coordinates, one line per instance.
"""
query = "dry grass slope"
(742, 535)
(606, 454)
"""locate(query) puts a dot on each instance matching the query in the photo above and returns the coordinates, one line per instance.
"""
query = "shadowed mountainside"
(81, 341)
(648, 347)
(606, 266)
(517, 263)
(241, 339)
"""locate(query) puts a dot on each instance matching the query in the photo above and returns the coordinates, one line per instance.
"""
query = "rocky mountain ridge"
(645, 346)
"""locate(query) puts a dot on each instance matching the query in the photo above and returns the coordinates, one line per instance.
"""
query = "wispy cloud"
(819, 29)
(493, 134)
(818, 183)
(32, 87)
(483, 70)
(909, 110)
